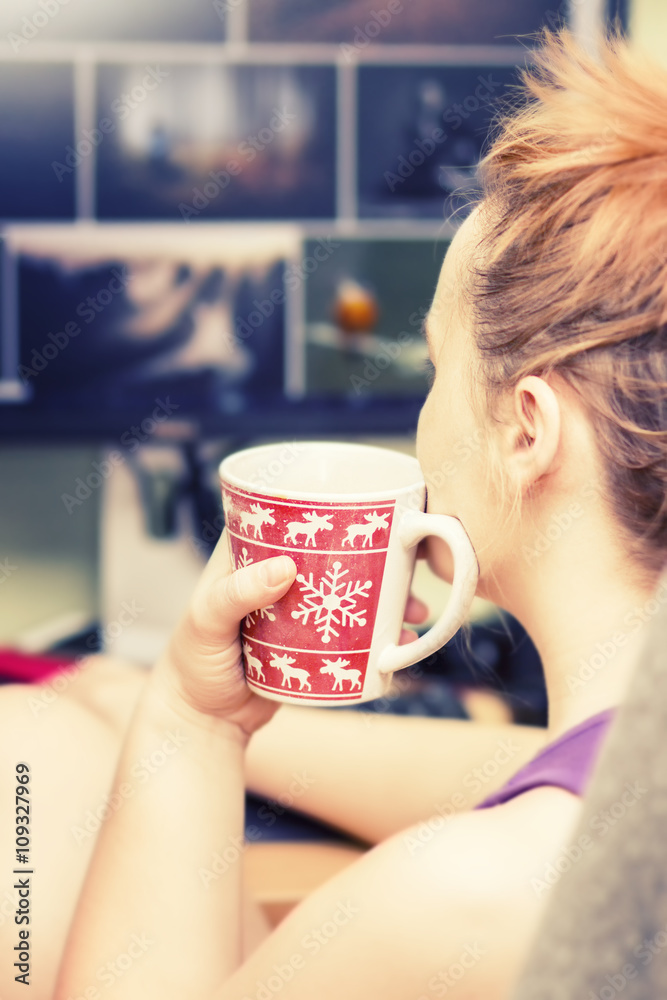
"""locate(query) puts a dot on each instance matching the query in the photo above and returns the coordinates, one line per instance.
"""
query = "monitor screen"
(220, 329)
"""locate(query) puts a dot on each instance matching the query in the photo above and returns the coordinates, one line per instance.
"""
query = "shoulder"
(490, 853)
(518, 832)
(482, 880)
(416, 921)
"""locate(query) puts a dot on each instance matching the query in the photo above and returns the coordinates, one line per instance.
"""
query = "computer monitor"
(219, 329)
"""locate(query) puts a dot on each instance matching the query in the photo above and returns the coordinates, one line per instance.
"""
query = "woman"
(546, 334)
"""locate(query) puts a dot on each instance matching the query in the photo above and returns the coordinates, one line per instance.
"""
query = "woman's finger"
(416, 611)
(221, 601)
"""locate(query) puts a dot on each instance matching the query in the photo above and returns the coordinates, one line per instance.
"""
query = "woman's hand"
(201, 672)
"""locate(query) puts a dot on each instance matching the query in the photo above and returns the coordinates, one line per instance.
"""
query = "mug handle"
(414, 526)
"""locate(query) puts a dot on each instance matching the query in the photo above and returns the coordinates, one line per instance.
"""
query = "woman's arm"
(160, 911)
(177, 801)
(372, 775)
(411, 766)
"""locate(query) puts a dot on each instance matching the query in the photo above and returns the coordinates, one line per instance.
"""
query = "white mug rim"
(238, 482)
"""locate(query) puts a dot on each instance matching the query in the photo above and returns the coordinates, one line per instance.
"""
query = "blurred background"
(221, 223)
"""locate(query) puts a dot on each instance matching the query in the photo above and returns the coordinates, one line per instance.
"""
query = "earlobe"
(536, 430)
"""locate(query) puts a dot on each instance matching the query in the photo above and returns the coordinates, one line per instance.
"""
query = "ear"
(535, 431)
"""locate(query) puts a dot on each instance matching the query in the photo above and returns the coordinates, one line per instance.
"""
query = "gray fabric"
(605, 929)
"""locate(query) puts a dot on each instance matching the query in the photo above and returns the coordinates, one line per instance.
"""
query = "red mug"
(350, 516)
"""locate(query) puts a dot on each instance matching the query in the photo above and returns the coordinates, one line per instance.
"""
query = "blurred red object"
(23, 668)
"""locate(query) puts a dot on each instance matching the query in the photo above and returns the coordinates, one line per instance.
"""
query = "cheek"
(433, 449)
(451, 455)
(423, 430)
(444, 448)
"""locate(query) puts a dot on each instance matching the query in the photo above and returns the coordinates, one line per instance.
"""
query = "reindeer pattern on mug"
(314, 642)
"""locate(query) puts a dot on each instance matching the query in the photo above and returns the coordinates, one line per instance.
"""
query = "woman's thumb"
(228, 599)
(273, 572)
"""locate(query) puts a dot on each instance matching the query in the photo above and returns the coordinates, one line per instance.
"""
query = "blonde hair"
(572, 273)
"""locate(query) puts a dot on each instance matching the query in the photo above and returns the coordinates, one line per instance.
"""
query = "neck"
(587, 615)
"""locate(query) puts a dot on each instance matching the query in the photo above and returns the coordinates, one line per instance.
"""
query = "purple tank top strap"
(566, 763)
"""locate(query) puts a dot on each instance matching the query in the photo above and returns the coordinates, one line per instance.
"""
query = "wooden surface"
(279, 875)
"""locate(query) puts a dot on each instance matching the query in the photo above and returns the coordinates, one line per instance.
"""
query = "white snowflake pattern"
(329, 606)
(251, 618)
(245, 559)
